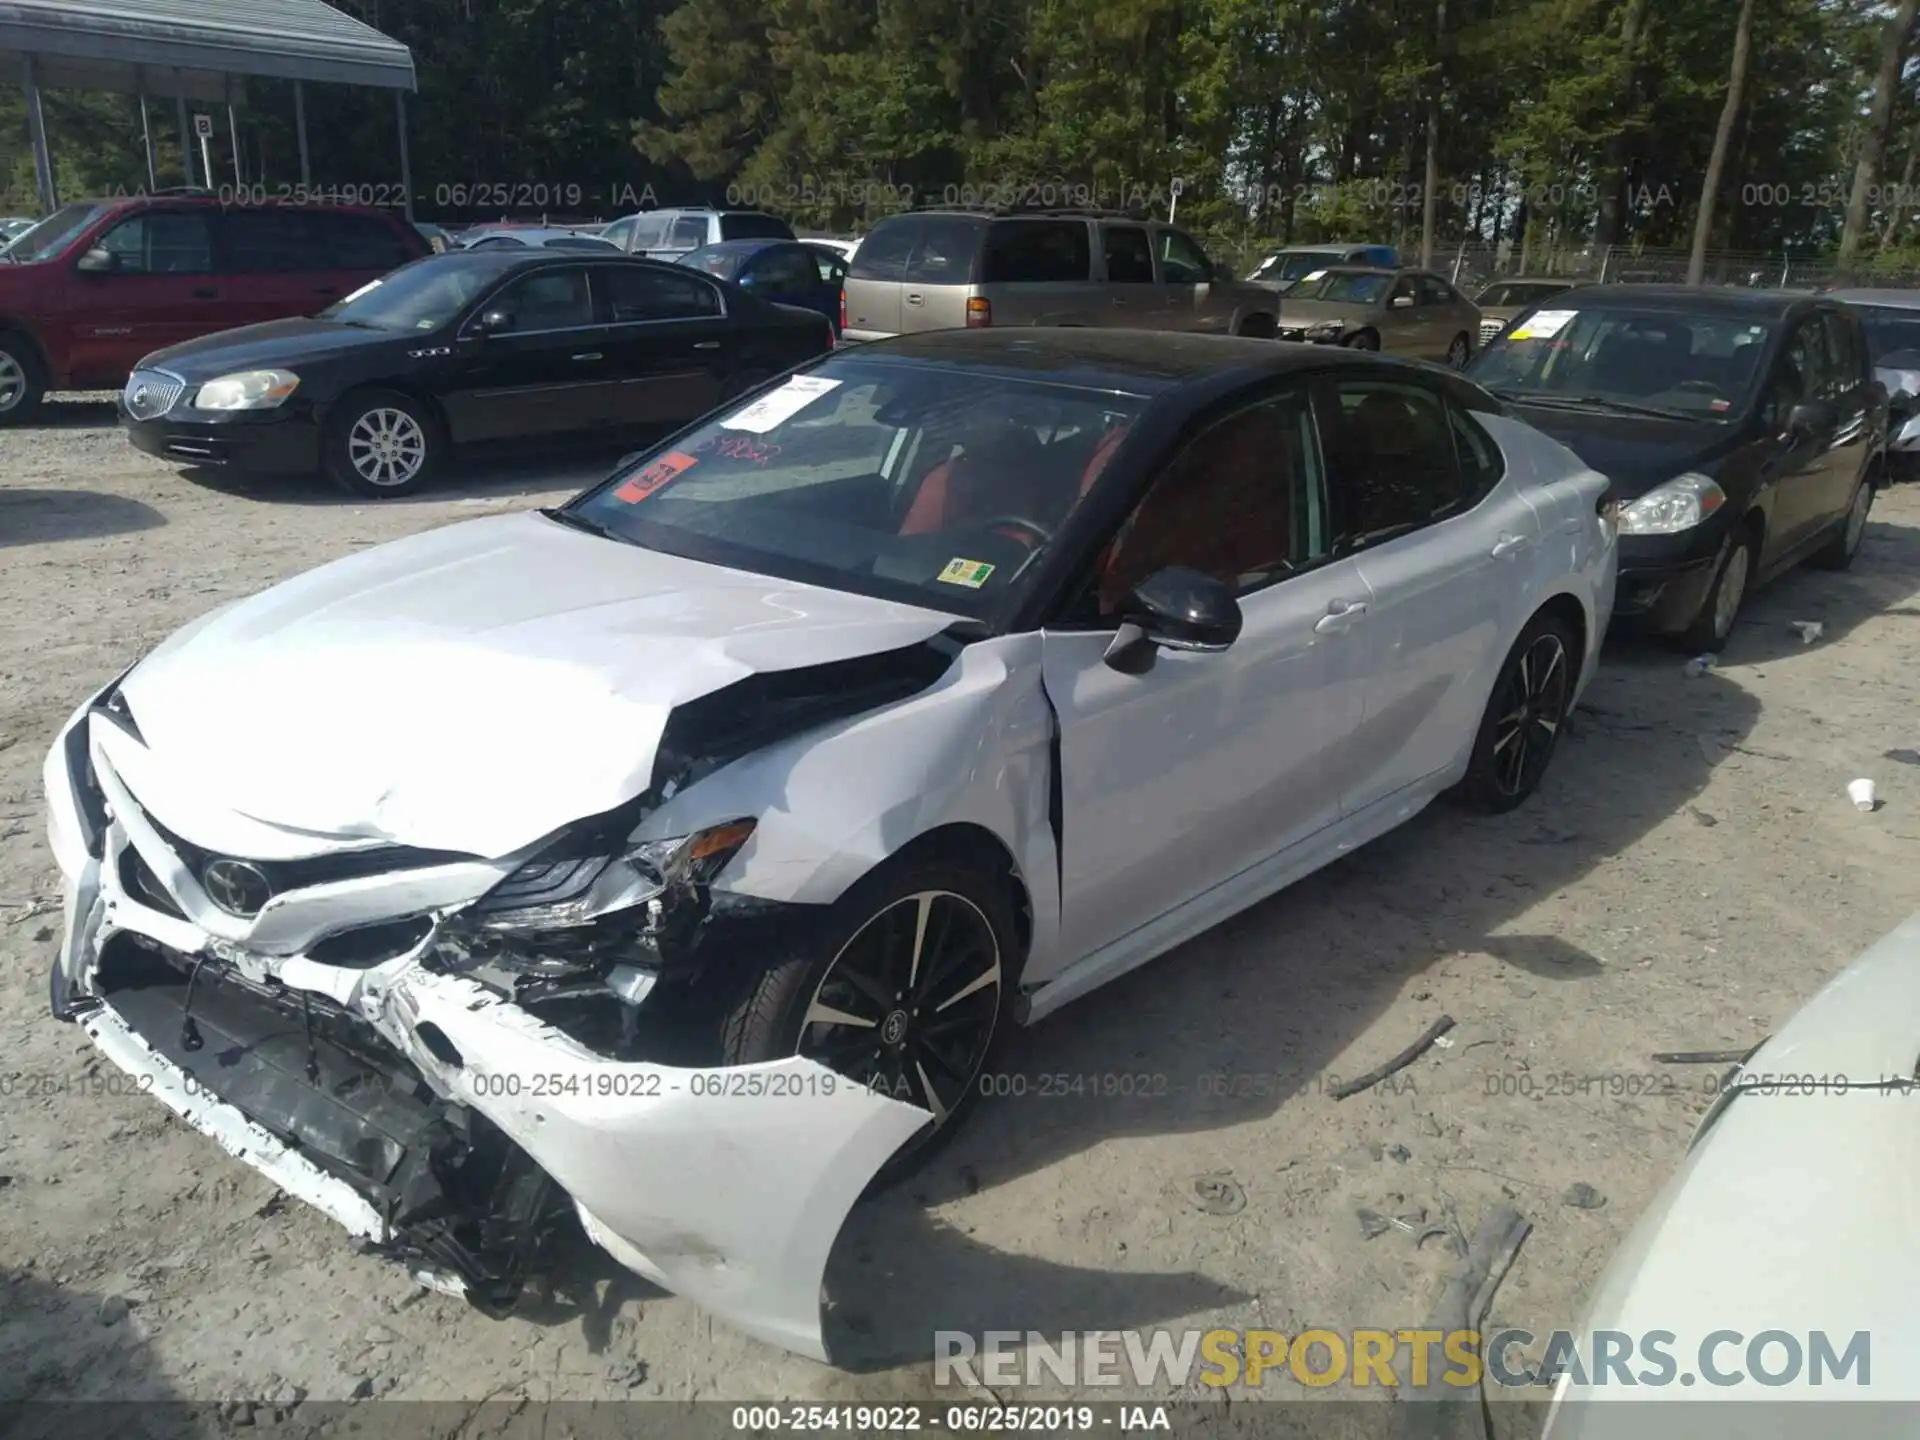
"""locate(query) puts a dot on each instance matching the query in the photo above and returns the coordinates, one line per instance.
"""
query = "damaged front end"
(456, 1056)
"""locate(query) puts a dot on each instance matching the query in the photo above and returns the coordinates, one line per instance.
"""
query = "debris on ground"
(1443, 1407)
(1218, 1194)
(1582, 1196)
(1862, 793)
(1398, 1063)
(1810, 630)
(1904, 757)
(1399, 1152)
(1698, 666)
(1703, 817)
(1706, 1057)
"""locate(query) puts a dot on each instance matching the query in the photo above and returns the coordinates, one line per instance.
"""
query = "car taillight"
(979, 312)
(843, 309)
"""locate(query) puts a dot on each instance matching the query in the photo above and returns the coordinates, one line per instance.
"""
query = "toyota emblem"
(236, 887)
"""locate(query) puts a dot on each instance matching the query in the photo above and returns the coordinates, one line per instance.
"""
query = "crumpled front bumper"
(727, 1185)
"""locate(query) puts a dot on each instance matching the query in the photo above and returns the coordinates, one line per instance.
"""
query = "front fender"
(973, 749)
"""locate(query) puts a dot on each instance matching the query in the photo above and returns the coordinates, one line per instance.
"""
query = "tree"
(1886, 89)
(1722, 142)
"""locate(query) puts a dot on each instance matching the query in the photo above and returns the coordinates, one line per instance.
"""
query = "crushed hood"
(472, 688)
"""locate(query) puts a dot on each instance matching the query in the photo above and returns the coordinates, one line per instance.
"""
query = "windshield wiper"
(1597, 402)
(574, 520)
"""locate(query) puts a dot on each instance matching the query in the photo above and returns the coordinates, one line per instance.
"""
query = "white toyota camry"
(673, 859)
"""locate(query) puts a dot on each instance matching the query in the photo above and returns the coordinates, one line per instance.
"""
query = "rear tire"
(1257, 327)
(23, 380)
(1839, 552)
(1522, 723)
(381, 444)
(920, 961)
(1365, 340)
(1709, 630)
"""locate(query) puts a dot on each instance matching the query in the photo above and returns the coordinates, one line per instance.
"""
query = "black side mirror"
(97, 261)
(1812, 417)
(493, 322)
(1175, 609)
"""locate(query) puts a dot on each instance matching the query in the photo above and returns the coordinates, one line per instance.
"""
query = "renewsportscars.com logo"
(1366, 1359)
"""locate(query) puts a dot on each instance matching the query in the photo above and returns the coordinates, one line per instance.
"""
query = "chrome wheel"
(1731, 590)
(13, 382)
(386, 447)
(1534, 702)
(1457, 353)
(909, 1005)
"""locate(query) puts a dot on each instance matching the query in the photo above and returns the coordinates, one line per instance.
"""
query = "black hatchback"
(469, 349)
(1742, 432)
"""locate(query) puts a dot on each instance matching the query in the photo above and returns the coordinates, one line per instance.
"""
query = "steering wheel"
(1704, 387)
(1034, 533)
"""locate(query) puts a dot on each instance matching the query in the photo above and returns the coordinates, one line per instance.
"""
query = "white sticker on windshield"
(1315, 275)
(1544, 325)
(779, 406)
(367, 288)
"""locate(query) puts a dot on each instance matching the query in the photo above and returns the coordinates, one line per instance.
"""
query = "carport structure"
(195, 51)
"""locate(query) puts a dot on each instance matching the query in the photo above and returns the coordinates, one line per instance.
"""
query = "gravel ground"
(1690, 874)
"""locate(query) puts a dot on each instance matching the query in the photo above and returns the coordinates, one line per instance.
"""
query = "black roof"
(1137, 362)
(1730, 300)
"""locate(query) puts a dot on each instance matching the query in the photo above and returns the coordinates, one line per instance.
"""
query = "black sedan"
(1743, 432)
(472, 348)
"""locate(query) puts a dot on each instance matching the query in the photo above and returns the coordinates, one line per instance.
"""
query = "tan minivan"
(948, 269)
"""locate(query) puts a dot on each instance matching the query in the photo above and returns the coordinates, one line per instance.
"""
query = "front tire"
(23, 382)
(905, 989)
(381, 444)
(1710, 628)
(1522, 724)
(1365, 340)
(1839, 552)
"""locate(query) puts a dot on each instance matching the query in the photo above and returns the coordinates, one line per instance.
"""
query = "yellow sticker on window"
(970, 573)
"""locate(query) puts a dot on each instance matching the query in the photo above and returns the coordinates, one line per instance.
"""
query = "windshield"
(714, 259)
(939, 487)
(1348, 287)
(53, 234)
(422, 295)
(1517, 293)
(1693, 365)
(1893, 335)
(1291, 265)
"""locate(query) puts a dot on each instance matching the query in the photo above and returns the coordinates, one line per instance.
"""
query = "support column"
(406, 162)
(300, 129)
(186, 135)
(233, 139)
(37, 130)
(146, 134)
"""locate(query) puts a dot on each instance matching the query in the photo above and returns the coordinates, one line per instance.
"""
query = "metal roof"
(195, 47)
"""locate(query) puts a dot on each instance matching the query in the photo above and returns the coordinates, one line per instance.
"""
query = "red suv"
(97, 285)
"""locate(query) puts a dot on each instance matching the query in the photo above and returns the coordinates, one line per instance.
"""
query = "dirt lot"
(1691, 873)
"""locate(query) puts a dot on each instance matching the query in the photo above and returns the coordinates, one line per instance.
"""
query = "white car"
(675, 858)
(1891, 319)
(1778, 1267)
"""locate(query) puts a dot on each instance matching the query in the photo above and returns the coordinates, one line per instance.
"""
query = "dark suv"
(100, 283)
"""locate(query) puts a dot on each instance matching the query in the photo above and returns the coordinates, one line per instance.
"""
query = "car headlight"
(247, 390)
(1680, 504)
(1326, 327)
(572, 883)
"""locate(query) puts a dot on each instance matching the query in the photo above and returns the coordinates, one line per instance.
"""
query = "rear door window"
(689, 232)
(649, 232)
(1848, 357)
(626, 294)
(356, 242)
(782, 269)
(1036, 252)
(883, 255)
(1129, 255)
(1182, 261)
(945, 250)
(269, 242)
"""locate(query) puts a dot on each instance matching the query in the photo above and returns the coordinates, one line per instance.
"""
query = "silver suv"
(669, 234)
(945, 269)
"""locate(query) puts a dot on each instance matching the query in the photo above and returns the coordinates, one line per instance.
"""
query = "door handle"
(1508, 545)
(1340, 615)
(916, 299)
(708, 345)
(589, 355)
(205, 292)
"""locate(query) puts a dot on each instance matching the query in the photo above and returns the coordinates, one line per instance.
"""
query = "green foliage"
(1294, 119)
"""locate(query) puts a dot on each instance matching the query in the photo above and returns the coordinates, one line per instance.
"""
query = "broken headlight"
(575, 882)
